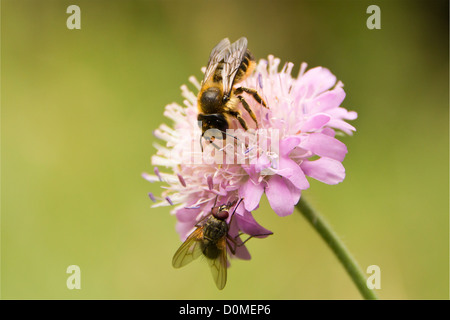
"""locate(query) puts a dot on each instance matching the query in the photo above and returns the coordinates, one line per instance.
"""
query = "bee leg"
(249, 110)
(238, 116)
(253, 92)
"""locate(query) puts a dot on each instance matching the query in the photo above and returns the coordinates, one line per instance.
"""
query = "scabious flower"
(295, 139)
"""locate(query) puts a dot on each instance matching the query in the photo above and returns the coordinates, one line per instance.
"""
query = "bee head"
(213, 126)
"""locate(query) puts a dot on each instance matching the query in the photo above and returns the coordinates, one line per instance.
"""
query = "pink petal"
(324, 146)
(289, 168)
(251, 192)
(262, 163)
(315, 122)
(342, 125)
(295, 192)
(279, 196)
(187, 215)
(326, 101)
(184, 229)
(341, 113)
(328, 131)
(248, 225)
(325, 170)
(292, 171)
(320, 78)
(288, 144)
(251, 171)
(241, 250)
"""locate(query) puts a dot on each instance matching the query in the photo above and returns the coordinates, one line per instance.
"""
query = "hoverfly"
(218, 99)
(211, 240)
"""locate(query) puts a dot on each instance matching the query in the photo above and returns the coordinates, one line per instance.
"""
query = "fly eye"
(222, 215)
(214, 211)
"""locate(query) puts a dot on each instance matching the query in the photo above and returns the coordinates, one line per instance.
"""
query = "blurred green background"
(78, 108)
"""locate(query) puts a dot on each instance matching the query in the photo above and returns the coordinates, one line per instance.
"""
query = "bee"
(218, 98)
(211, 240)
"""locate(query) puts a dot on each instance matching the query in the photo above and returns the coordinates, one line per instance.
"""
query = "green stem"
(338, 247)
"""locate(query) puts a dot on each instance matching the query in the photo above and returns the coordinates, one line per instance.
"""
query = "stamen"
(194, 81)
(186, 93)
(302, 69)
(149, 177)
(182, 181)
(192, 207)
(209, 179)
(158, 174)
(248, 150)
(289, 67)
(152, 197)
(169, 201)
(164, 136)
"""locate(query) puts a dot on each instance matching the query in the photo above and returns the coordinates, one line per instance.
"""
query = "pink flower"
(295, 140)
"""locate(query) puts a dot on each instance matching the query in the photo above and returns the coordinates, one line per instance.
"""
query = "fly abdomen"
(214, 230)
(210, 250)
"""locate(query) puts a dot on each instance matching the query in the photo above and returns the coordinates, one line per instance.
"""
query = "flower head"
(294, 139)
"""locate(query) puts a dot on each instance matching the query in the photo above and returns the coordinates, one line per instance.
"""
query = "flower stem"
(338, 247)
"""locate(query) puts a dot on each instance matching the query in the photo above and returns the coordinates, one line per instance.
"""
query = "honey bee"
(218, 99)
(211, 239)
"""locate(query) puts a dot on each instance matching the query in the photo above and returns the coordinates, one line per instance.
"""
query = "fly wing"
(189, 250)
(216, 56)
(232, 61)
(218, 265)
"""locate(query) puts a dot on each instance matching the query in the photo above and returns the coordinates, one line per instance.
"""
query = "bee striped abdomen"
(218, 73)
(246, 67)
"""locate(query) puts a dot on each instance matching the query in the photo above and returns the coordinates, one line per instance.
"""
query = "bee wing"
(189, 250)
(216, 56)
(219, 265)
(232, 60)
